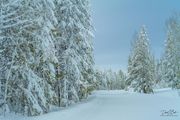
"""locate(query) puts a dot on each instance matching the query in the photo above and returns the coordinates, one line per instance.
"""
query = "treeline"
(46, 54)
(110, 80)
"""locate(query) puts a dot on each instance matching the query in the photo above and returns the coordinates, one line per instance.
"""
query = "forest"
(47, 57)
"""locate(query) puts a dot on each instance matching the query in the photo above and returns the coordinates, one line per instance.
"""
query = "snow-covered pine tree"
(130, 59)
(174, 26)
(120, 80)
(74, 50)
(152, 69)
(100, 78)
(141, 70)
(169, 59)
(172, 50)
(103, 78)
(160, 74)
(84, 38)
(110, 78)
(26, 56)
(67, 71)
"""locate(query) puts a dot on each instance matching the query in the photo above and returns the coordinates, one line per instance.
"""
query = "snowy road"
(119, 105)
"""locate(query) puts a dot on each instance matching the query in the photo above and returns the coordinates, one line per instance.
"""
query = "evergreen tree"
(160, 74)
(170, 59)
(101, 80)
(172, 50)
(141, 69)
(74, 50)
(120, 80)
(26, 62)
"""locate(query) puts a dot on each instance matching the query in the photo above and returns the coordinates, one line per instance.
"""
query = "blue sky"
(116, 21)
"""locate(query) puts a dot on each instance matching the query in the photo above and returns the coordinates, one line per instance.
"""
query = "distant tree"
(160, 71)
(101, 80)
(120, 80)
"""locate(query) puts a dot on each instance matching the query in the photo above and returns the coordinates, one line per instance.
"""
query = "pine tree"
(87, 46)
(141, 70)
(120, 80)
(129, 79)
(101, 84)
(74, 50)
(172, 49)
(68, 72)
(26, 62)
(170, 59)
(104, 79)
(161, 70)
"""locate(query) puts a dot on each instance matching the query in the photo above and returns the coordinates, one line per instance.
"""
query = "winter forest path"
(120, 105)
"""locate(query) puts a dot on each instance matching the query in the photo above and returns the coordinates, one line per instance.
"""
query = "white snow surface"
(116, 105)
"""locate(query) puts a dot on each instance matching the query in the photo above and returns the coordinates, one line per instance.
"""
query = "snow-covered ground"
(164, 104)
